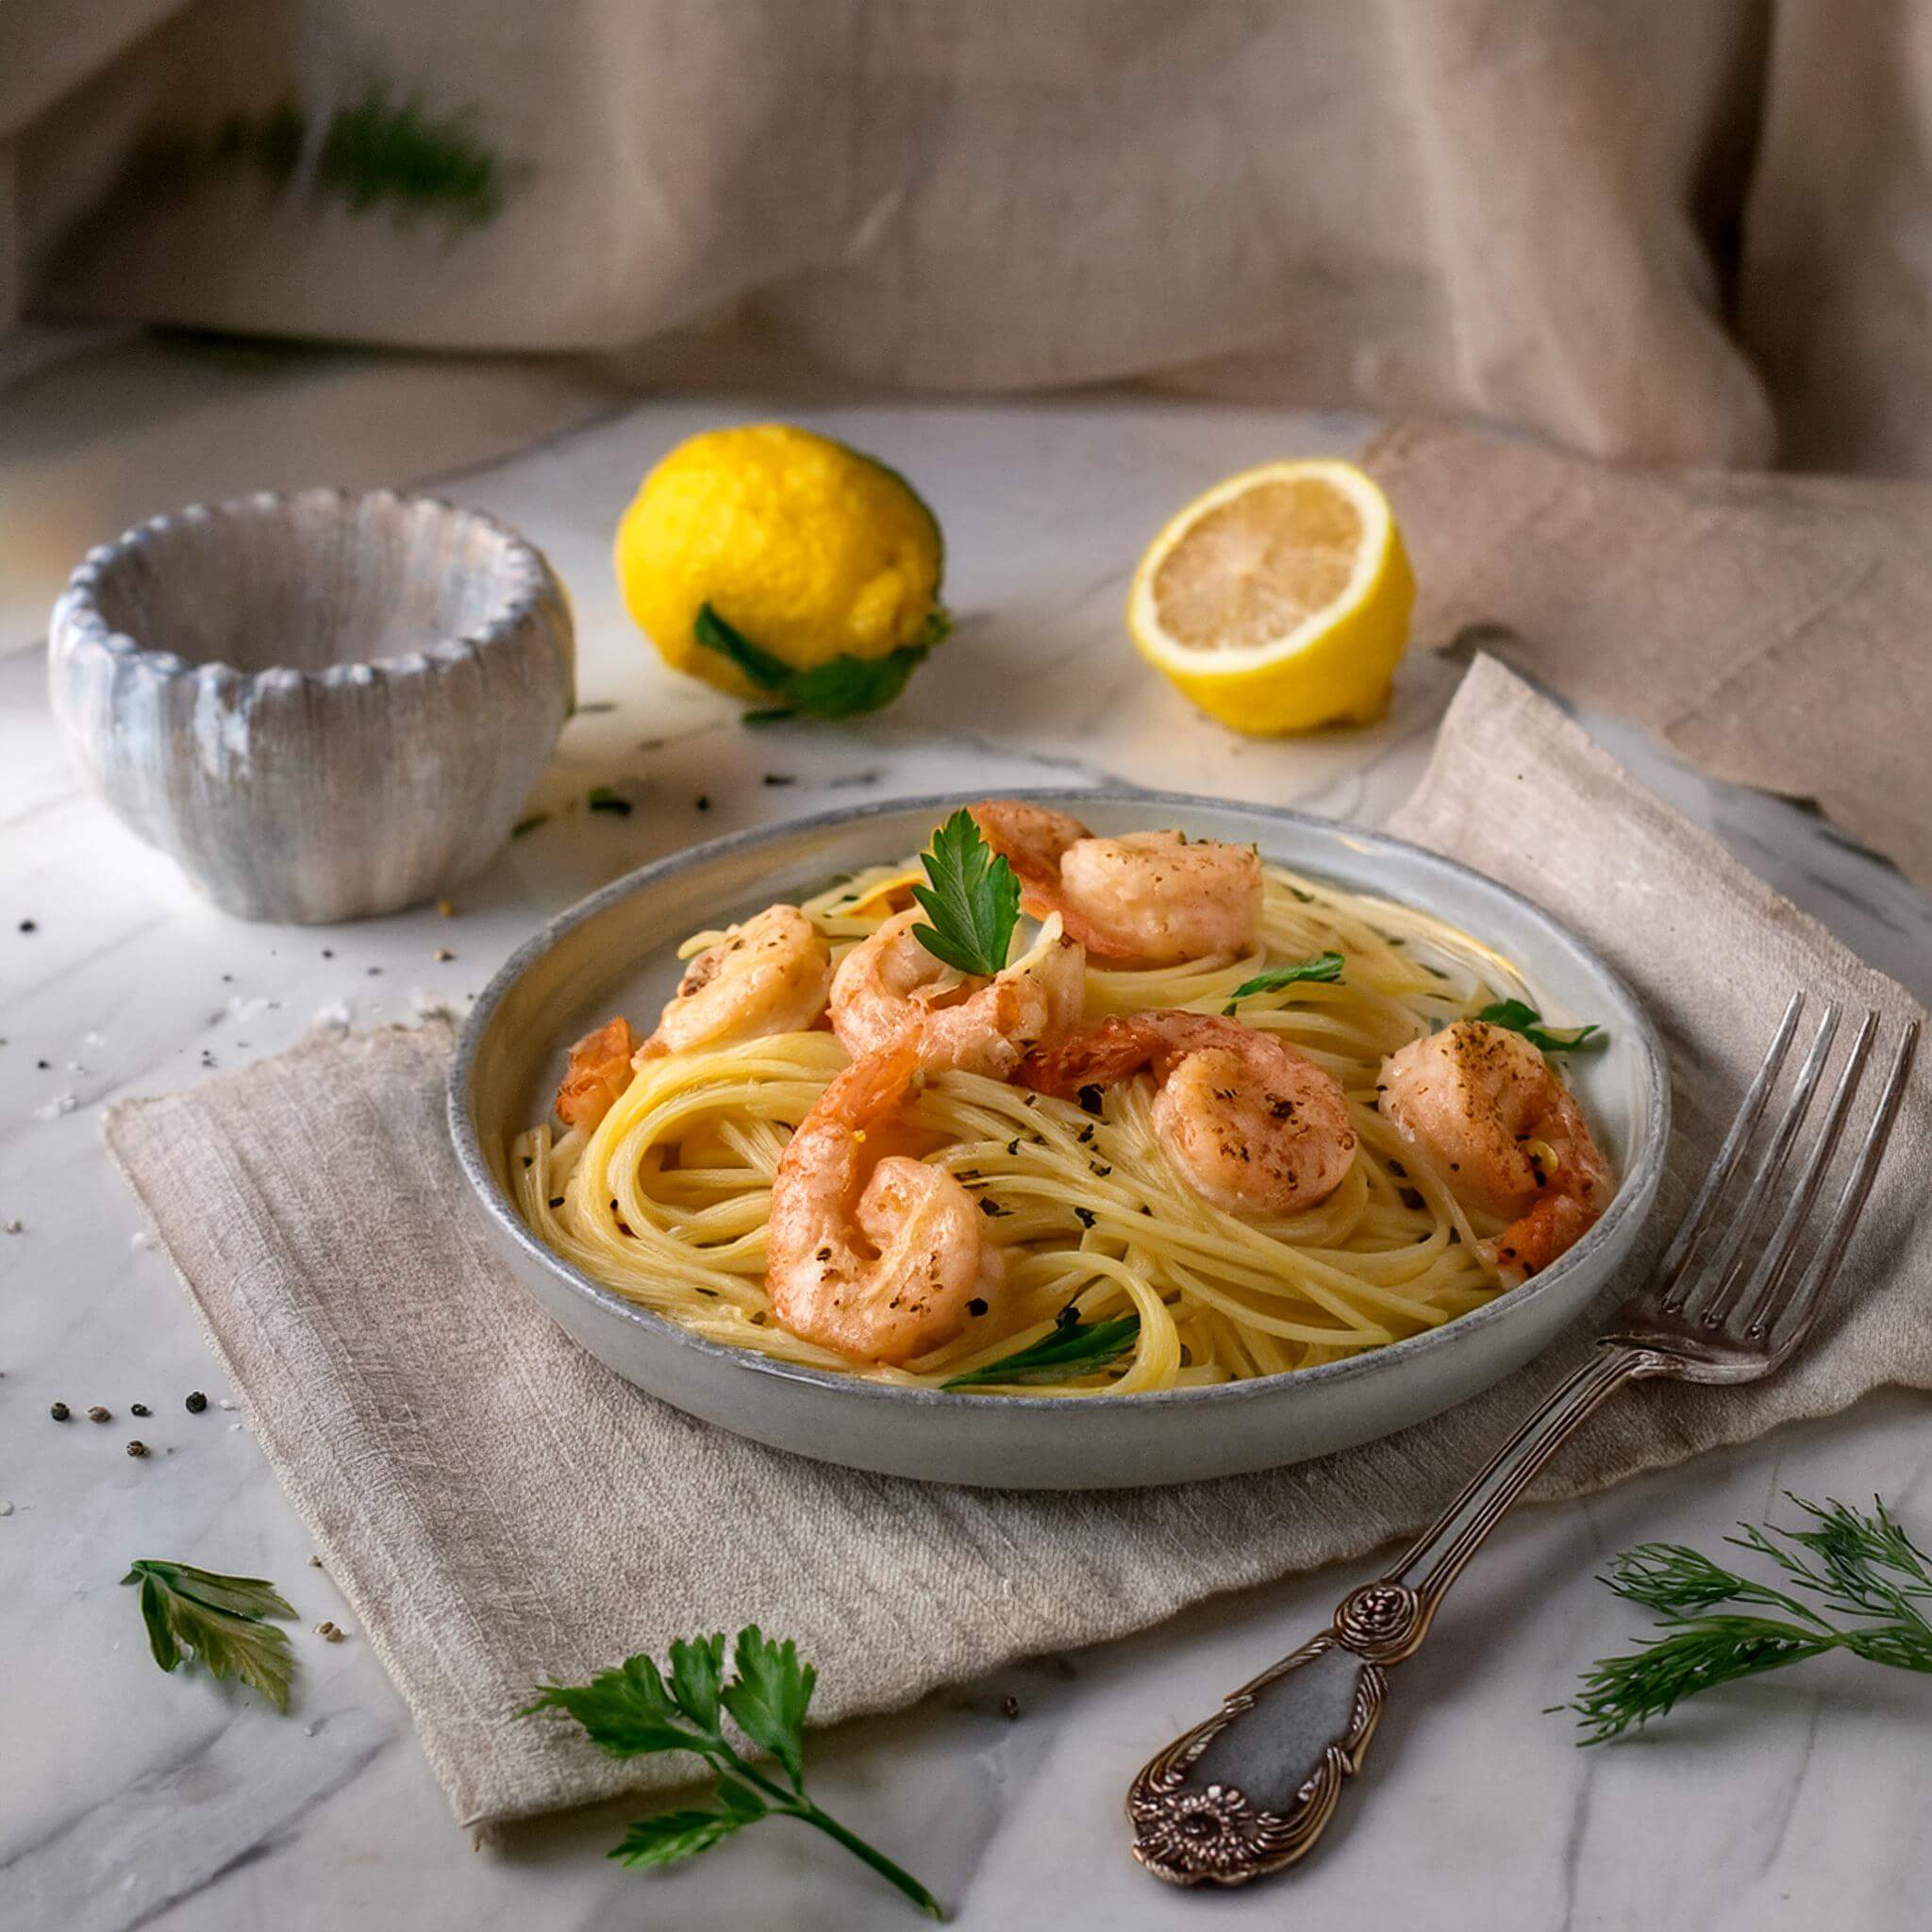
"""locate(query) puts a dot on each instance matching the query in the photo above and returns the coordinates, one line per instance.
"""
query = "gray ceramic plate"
(616, 952)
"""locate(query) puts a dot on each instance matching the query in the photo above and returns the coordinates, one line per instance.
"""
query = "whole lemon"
(781, 565)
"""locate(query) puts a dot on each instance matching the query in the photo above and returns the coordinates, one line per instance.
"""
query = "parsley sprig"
(1861, 1570)
(637, 1710)
(842, 687)
(1073, 1347)
(1324, 968)
(1519, 1017)
(972, 899)
(220, 1620)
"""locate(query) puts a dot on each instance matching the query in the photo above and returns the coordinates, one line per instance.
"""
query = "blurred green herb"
(372, 152)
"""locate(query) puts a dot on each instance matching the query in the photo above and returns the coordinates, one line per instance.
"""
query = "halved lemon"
(1279, 600)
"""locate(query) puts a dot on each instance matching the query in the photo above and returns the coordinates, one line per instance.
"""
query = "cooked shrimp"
(1155, 898)
(889, 990)
(771, 974)
(600, 1069)
(1257, 1127)
(869, 1252)
(1507, 1135)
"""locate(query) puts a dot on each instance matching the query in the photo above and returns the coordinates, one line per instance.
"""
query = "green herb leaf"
(220, 1620)
(1853, 1565)
(526, 825)
(626, 1711)
(768, 1696)
(602, 798)
(698, 1676)
(843, 687)
(673, 1835)
(1521, 1017)
(973, 900)
(1323, 968)
(1074, 1347)
(632, 1711)
(765, 671)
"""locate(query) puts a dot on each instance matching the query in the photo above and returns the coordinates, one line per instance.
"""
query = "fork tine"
(1789, 1324)
(1746, 1315)
(1705, 1298)
(1698, 1216)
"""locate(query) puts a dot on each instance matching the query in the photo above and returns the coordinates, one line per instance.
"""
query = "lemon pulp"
(1279, 600)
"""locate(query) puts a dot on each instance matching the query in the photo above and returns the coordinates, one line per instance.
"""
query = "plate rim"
(1630, 1205)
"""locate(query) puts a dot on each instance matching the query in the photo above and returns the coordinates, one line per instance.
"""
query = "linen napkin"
(1776, 629)
(501, 1509)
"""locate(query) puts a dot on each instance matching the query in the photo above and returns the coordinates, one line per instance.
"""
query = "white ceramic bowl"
(616, 953)
(320, 707)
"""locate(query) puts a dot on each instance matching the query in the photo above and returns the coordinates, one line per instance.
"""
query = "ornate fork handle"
(1251, 1788)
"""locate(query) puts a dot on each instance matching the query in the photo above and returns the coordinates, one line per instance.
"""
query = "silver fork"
(1251, 1788)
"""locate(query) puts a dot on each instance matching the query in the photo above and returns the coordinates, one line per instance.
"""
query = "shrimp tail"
(599, 1071)
(1552, 1228)
(1101, 1054)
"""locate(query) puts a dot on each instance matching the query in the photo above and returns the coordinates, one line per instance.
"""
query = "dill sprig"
(1861, 1582)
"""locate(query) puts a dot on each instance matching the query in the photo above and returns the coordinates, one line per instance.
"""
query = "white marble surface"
(128, 1798)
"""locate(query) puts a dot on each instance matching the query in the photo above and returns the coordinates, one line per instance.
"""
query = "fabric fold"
(1771, 628)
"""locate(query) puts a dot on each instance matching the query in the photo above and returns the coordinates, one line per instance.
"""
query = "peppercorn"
(59, 1411)
(137, 1448)
(196, 1402)
(139, 1409)
(98, 1414)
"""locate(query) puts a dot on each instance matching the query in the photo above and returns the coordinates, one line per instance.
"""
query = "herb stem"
(892, 1873)
(790, 1804)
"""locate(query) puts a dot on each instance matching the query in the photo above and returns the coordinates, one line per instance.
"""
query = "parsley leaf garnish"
(973, 900)
(1323, 967)
(1074, 1347)
(220, 1620)
(1855, 1567)
(1525, 1020)
(635, 1711)
(842, 687)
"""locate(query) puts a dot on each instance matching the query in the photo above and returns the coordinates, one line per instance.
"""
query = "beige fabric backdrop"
(1538, 211)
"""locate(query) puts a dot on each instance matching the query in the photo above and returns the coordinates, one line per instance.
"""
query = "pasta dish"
(1039, 1112)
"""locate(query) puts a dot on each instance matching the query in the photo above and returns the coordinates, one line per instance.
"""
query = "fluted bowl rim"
(522, 582)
